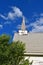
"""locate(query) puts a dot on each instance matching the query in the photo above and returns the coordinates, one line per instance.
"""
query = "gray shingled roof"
(33, 42)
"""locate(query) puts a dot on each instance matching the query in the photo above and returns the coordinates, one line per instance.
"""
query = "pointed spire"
(23, 24)
(23, 30)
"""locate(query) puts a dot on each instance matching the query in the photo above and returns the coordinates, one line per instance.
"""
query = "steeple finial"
(23, 24)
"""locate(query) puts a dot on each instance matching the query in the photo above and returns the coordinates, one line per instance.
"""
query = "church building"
(33, 41)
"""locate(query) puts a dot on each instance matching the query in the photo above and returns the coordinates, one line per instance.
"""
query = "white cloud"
(1, 26)
(3, 17)
(37, 25)
(11, 15)
(37, 29)
(16, 12)
(41, 14)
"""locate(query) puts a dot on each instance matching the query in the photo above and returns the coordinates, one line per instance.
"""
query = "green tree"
(26, 62)
(4, 49)
(12, 53)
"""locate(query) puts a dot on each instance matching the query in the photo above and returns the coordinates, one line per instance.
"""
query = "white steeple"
(23, 28)
(23, 24)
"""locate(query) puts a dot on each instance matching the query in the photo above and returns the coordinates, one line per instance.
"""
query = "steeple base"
(22, 32)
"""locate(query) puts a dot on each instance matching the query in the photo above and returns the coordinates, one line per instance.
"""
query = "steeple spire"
(23, 24)
(23, 30)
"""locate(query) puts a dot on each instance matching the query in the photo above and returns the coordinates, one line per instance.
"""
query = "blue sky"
(12, 12)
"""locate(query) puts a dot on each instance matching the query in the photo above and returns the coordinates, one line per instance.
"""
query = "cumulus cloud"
(16, 12)
(37, 25)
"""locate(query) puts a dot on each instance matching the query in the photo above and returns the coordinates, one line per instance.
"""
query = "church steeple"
(23, 24)
(23, 30)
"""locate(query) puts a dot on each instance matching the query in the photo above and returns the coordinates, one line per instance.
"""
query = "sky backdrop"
(12, 12)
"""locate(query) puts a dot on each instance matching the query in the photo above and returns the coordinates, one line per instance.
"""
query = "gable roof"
(33, 42)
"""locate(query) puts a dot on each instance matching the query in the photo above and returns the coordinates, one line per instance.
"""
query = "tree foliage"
(11, 53)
